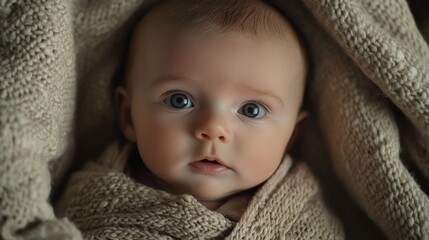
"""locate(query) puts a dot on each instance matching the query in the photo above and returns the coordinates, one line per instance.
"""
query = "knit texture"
(107, 204)
(357, 117)
(37, 99)
(369, 93)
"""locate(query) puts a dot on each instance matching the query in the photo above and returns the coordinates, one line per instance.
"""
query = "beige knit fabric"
(107, 204)
(37, 100)
(370, 96)
(357, 116)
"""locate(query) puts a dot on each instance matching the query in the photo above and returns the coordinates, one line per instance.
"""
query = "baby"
(212, 95)
(210, 99)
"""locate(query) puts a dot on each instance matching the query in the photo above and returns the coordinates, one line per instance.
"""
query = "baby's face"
(212, 114)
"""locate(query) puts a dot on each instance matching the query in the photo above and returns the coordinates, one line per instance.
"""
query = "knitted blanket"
(107, 204)
(367, 138)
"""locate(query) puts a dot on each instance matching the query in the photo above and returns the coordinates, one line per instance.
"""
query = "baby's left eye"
(253, 110)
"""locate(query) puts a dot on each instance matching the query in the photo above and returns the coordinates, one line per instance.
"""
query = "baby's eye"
(253, 110)
(178, 100)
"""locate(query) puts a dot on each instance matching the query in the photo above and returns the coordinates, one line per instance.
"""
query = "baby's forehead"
(253, 18)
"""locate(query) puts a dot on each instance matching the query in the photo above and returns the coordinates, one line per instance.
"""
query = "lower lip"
(211, 168)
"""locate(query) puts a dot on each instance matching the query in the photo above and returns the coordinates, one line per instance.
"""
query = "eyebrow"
(168, 78)
(265, 93)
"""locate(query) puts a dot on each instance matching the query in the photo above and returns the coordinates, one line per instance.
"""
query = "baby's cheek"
(262, 158)
(161, 143)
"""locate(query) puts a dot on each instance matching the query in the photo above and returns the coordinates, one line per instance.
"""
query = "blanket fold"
(105, 203)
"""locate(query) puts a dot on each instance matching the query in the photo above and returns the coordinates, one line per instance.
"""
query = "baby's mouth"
(209, 166)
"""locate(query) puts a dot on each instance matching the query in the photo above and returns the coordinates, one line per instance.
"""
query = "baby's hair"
(253, 17)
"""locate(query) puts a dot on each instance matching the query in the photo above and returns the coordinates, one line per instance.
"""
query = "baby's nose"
(213, 128)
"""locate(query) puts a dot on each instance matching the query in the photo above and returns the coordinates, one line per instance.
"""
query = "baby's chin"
(210, 194)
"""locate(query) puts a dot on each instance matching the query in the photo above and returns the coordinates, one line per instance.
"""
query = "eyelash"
(170, 92)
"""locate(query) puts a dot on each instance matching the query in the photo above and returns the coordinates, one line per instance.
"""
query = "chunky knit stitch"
(369, 89)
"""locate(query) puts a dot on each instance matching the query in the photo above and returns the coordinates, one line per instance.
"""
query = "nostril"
(205, 136)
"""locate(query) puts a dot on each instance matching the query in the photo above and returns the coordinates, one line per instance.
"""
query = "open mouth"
(210, 161)
(208, 166)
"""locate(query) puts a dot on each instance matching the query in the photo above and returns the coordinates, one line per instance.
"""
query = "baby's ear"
(301, 116)
(123, 109)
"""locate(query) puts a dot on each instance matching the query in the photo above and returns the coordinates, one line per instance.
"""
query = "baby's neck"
(213, 204)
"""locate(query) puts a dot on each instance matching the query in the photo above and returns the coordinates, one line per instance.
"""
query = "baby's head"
(212, 93)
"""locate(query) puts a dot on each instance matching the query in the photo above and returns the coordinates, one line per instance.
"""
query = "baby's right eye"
(178, 100)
